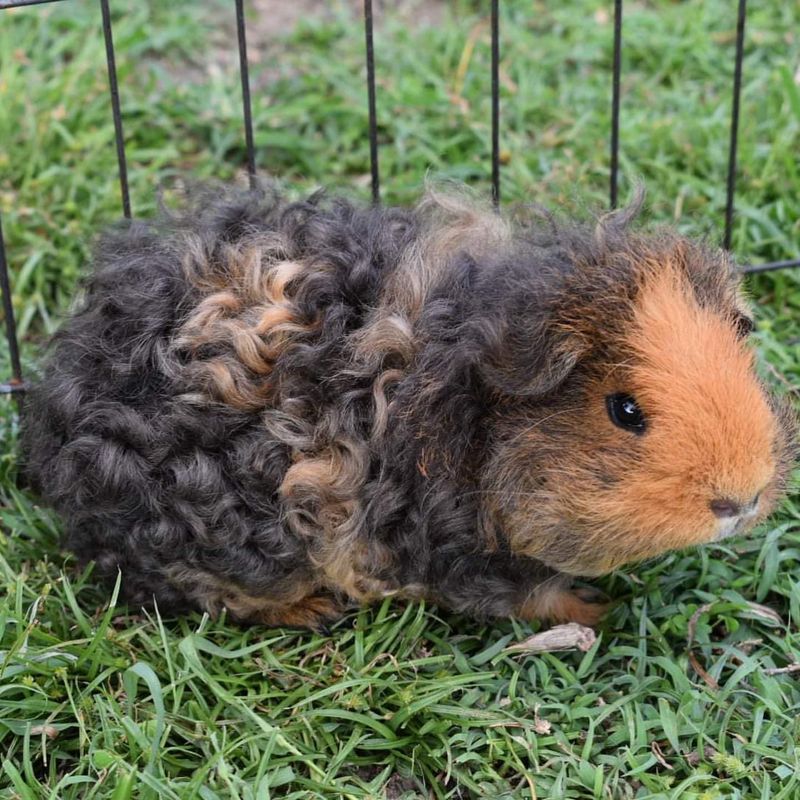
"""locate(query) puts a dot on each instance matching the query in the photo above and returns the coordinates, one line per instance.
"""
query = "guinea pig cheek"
(652, 511)
(629, 508)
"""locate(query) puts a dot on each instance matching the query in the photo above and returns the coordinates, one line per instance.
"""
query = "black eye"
(744, 326)
(625, 413)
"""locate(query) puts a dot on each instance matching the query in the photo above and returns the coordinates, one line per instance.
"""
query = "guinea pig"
(283, 409)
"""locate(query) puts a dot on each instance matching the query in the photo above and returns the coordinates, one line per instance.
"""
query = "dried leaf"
(691, 628)
(700, 670)
(694, 758)
(48, 730)
(787, 670)
(655, 749)
(765, 613)
(745, 645)
(466, 56)
(562, 637)
(541, 726)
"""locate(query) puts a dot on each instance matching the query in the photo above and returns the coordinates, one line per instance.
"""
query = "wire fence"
(16, 385)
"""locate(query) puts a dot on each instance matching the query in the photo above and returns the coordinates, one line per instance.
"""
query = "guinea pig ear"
(531, 363)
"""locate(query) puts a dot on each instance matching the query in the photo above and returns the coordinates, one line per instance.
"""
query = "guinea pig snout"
(734, 516)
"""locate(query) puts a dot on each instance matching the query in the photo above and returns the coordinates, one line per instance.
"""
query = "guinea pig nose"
(724, 507)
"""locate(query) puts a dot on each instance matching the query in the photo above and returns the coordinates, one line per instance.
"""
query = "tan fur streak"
(252, 320)
(455, 225)
(379, 389)
(321, 495)
(228, 383)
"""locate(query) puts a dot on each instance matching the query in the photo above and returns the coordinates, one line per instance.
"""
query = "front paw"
(584, 605)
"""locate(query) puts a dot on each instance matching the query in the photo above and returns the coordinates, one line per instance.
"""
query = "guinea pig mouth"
(735, 525)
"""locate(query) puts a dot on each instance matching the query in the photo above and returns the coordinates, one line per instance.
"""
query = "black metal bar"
(734, 140)
(496, 103)
(4, 4)
(772, 265)
(244, 73)
(16, 384)
(114, 89)
(373, 118)
(615, 102)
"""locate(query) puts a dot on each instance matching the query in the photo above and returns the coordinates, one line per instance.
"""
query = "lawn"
(688, 691)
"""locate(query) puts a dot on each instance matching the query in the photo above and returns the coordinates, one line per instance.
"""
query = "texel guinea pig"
(283, 409)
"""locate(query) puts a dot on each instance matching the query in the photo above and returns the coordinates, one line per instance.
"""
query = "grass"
(679, 697)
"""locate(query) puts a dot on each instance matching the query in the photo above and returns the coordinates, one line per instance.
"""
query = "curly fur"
(279, 408)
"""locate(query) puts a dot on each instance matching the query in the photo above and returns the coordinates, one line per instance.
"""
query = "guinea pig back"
(281, 409)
